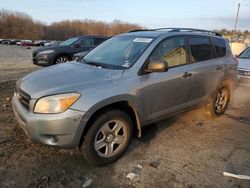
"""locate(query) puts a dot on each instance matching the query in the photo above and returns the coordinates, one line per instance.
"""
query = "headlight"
(55, 103)
(46, 52)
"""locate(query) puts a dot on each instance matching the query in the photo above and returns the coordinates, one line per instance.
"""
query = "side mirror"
(76, 45)
(157, 66)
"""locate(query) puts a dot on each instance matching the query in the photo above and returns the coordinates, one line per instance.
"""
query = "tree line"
(18, 25)
(238, 33)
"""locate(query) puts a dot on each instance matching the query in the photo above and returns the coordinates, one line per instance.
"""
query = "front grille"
(23, 97)
(244, 73)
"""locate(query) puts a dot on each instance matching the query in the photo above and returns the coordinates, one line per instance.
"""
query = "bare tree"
(21, 26)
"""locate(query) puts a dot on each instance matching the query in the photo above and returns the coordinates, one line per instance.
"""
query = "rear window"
(201, 49)
(220, 47)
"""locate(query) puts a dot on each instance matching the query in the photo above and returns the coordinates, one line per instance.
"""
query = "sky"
(203, 14)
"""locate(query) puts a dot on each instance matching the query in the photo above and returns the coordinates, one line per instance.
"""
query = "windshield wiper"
(102, 65)
(94, 64)
(91, 63)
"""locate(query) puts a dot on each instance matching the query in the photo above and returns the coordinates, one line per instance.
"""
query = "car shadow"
(149, 132)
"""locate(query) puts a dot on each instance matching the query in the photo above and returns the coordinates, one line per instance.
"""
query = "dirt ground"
(189, 150)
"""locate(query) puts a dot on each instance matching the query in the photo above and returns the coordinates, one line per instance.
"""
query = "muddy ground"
(189, 150)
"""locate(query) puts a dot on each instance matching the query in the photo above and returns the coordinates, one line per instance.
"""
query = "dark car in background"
(52, 43)
(5, 41)
(79, 55)
(9, 41)
(39, 43)
(65, 50)
(14, 42)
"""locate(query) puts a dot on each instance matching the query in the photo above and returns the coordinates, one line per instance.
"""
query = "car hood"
(66, 77)
(50, 48)
(244, 63)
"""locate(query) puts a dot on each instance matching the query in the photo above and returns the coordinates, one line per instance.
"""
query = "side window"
(172, 51)
(87, 42)
(220, 47)
(200, 48)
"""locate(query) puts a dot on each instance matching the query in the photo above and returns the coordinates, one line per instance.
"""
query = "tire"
(61, 59)
(100, 145)
(219, 102)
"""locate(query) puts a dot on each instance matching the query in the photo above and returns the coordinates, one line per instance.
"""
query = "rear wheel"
(218, 103)
(62, 59)
(108, 138)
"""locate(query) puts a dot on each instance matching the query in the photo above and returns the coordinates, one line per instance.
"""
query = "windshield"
(118, 52)
(245, 54)
(69, 41)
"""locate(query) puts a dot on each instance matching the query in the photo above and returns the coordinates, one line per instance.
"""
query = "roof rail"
(176, 29)
(136, 30)
(173, 29)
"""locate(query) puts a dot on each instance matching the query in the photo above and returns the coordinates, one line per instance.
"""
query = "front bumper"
(64, 129)
(43, 60)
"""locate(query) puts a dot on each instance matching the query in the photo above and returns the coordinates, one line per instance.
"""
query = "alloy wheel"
(110, 138)
(221, 101)
(61, 60)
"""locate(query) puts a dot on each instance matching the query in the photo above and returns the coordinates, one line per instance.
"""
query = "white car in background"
(244, 67)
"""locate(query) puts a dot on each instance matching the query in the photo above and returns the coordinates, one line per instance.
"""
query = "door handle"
(219, 67)
(187, 74)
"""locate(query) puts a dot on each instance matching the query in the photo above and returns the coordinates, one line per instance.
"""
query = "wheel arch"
(227, 80)
(124, 105)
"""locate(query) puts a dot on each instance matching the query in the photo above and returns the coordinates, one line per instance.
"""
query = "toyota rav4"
(127, 82)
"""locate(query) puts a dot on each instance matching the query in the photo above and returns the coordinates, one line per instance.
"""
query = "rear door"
(167, 92)
(207, 68)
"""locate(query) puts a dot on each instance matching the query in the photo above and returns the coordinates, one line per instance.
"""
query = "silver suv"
(129, 81)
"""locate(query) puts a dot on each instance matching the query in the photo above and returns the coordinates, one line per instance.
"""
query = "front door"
(167, 92)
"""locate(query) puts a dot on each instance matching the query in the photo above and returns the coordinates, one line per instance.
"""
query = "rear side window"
(220, 47)
(99, 40)
(87, 42)
(200, 49)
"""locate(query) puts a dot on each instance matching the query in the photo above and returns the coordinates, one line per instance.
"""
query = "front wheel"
(61, 59)
(218, 103)
(108, 138)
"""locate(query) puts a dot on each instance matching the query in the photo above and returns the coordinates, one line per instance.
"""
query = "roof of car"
(153, 34)
(157, 32)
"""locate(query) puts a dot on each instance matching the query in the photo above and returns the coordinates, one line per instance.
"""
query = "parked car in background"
(26, 43)
(244, 67)
(14, 42)
(79, 55)
(39, 43)
(9, 41)
(65, 50)
(129, 81)
(52, 43)
(5, 41)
